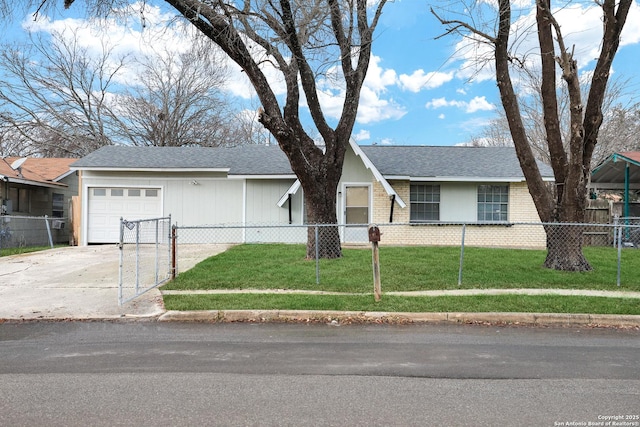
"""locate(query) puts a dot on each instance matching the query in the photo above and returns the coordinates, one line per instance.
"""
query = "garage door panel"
(107, 205)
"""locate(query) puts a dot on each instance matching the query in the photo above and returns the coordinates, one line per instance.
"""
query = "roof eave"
(262, 176)
(34, 183)
(466, 178)
(119, 169)
(64, 175)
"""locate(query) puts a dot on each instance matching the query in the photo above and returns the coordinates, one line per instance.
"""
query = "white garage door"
(108, 205)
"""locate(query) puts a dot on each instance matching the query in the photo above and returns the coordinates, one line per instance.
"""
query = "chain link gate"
(145, 256)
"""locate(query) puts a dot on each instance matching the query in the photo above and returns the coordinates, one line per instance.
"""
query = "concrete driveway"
(78, 282)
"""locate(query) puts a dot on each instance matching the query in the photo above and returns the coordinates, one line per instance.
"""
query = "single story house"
(413, 186)
(35, 187)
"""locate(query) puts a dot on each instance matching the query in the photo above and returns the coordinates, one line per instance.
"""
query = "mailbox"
(374, 234)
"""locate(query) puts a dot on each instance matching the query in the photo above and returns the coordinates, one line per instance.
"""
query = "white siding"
(213, 200)
(210, 201)
(354, 170)
(262, 209)
(262, 199)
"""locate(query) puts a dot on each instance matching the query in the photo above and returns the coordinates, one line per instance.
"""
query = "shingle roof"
(38, 170)
(449, 161)
(411, 161)
(240, 160)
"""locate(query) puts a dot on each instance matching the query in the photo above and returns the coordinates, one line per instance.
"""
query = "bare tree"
(54, 95)
(621, 122)
(571, 162)
(620, 132)
(302, 41)
(177, 101)
(58, 99)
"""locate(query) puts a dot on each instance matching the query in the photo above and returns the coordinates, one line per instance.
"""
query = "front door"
(356, 213)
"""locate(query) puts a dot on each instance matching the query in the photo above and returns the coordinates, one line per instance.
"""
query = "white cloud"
(479, 103)
(581, 26)
(362, 135)
(631, 31)
(442, 116)
(419, 80)
(373, 106)
(378, 78)
(439, 103)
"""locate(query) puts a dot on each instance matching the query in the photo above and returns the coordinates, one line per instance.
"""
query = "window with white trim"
(425, 202)
(493, 202)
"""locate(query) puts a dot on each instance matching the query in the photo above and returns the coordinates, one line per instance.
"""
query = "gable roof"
(612, 170)
(37, 171)
(455, 163)
(449, 163)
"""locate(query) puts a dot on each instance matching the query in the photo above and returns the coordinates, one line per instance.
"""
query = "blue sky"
(420, 90)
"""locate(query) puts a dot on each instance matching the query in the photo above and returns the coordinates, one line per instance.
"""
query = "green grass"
(477, 303)
(281, 266)
(26, 250)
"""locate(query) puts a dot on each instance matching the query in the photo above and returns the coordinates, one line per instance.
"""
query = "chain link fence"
(560, 240)
(628, 232)
(145, 256)
(18, 233)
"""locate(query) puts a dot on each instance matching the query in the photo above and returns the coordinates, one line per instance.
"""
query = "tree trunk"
(320, 204)
(571, 168)
(564, 248)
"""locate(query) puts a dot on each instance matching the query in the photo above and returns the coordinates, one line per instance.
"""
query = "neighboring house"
(254, 184)
(619, 174)
(37, 187)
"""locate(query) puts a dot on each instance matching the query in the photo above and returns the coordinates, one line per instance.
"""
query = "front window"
(20, 198)
(492, 203)
(58, 205)
(425, 202)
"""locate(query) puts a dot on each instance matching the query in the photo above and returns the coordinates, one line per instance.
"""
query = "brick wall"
(521, 210)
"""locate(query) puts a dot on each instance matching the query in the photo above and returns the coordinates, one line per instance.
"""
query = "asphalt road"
(150, 373)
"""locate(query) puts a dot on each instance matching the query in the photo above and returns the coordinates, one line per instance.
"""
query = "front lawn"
(391, 303)
(282, 266)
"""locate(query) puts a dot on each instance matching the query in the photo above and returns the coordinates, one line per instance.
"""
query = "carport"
(620, 171)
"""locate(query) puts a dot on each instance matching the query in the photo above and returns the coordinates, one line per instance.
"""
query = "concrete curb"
(337, 317)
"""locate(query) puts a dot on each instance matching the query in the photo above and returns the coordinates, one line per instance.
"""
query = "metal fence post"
(464, 228)
(121, 266)
(619, 254)
(137, 285)
(169, 263)
(174, 247)
(157, 261)
(317, 257)
(46, 221)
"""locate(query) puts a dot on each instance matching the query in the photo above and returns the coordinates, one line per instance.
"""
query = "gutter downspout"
(393, 202)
